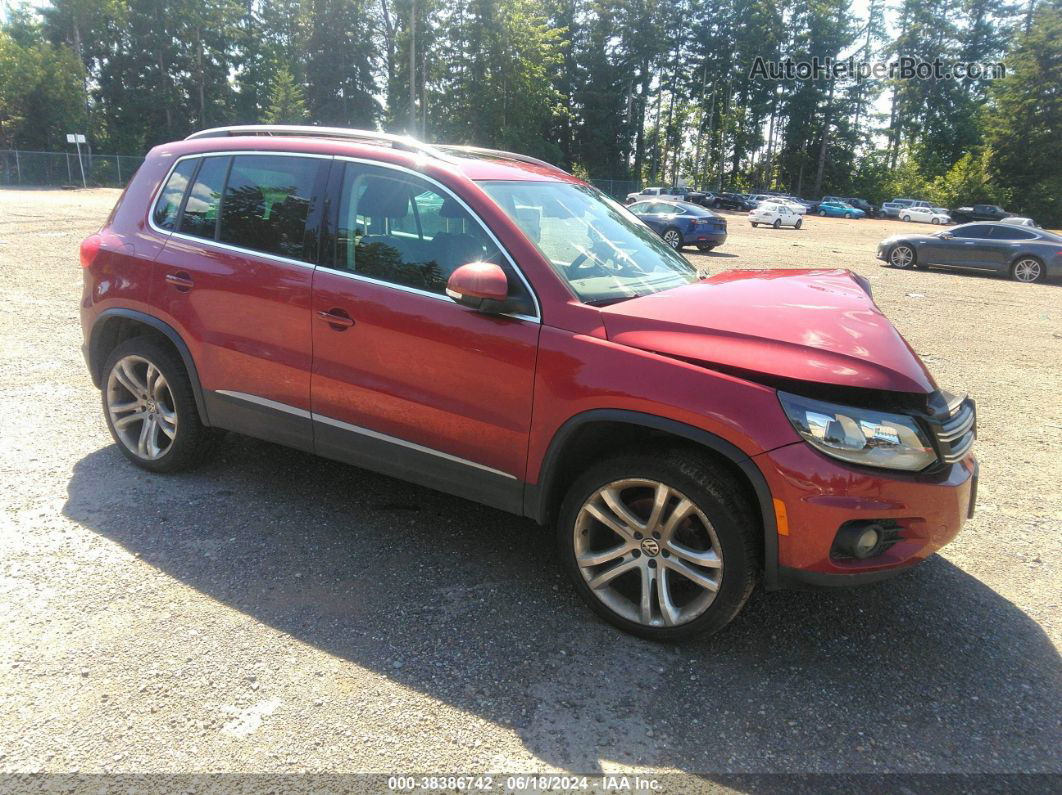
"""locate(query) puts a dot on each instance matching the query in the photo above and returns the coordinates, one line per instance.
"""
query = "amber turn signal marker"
(781, 518)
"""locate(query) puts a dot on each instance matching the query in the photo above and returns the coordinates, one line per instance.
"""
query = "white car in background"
(925, 215)
(1018, 220)
(776, 214)
(795, 206)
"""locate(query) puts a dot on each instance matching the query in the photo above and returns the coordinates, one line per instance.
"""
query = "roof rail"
(501, 154)
(403, 142)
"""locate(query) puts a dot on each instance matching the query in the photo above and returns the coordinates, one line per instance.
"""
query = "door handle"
(180, 280)
(337, 319)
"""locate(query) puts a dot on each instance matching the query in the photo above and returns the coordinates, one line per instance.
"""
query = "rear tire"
(1028, 270)
(705, 246)
(150, 408)
(754, 224)
(680, 578)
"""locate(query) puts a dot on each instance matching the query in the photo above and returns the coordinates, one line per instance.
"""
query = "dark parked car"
(730, 201)
(862, 204)
(682, 223)
(979, 212)
(1026, 254)
(488, 325)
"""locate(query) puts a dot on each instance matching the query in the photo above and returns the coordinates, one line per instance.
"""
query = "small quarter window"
(169, 202)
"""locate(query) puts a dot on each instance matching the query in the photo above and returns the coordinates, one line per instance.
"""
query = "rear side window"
(1011, 233)
(169, 202)
(200, 216)
(267, 201)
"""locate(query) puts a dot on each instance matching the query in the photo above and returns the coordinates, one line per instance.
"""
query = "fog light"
(860, 540)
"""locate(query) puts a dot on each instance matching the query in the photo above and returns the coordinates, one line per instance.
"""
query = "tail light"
(90, 247)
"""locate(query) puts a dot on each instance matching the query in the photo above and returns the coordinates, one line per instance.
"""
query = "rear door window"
(267, 201)
(1011, 233)
(200, 215)
(169, 202)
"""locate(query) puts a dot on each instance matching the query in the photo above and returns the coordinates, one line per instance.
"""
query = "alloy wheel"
(647, 552)
(673, 238)
(901, 257)
(1028, 270)
(141, 407)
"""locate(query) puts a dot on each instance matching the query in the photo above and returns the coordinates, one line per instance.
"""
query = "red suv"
(488, 325)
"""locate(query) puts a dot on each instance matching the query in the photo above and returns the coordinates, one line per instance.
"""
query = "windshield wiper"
(610, 301)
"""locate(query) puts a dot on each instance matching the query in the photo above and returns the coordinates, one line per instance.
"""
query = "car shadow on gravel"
(933, 671)
(934, 270)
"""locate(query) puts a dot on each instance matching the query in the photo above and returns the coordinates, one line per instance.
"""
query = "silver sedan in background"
(1024, 253)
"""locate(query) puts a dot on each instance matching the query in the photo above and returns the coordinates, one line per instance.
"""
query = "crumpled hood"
(809, 325)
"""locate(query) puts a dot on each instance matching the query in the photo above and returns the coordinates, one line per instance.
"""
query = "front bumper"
(816, 495)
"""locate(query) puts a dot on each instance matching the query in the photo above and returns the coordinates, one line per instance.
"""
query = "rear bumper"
(816, 495)
(710, 238)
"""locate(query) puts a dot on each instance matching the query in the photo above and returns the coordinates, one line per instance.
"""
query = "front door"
(970, 247)
(405, 381)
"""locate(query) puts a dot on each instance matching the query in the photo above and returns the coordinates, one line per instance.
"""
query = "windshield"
(597, 246)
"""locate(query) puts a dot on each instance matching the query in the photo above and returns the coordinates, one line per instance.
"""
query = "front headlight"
(860, 436)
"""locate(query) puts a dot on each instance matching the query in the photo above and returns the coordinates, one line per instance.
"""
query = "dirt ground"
(276, 612)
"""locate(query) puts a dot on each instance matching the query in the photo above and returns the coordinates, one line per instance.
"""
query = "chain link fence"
(617, 188)
(21, 167)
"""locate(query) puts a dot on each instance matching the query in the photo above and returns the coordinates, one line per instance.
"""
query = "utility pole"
(413, 68)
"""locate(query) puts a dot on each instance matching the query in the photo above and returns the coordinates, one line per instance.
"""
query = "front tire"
(660, 544)
(822, 213)
(907, 218)
(902, 256)
(1028, 270)
(934, 221)
(150, 408)
(754, 224)
(673, 238)
(799, 223)
(777, 223)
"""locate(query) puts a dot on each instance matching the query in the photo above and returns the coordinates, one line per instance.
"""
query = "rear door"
(235, 278)
(405, 381)
(1005, 244)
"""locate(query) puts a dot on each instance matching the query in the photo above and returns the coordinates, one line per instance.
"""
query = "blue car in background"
(839, 210)
(682, 224)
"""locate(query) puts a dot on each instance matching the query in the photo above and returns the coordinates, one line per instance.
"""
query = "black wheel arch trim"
(539, 497)
(95, 360)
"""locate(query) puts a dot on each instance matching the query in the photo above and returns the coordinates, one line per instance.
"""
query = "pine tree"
(287, 105)
(1024, 119)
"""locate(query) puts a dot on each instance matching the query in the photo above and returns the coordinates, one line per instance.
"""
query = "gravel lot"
(278, 612)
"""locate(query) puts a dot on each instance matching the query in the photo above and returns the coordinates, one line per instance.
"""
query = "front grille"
(956, 433)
